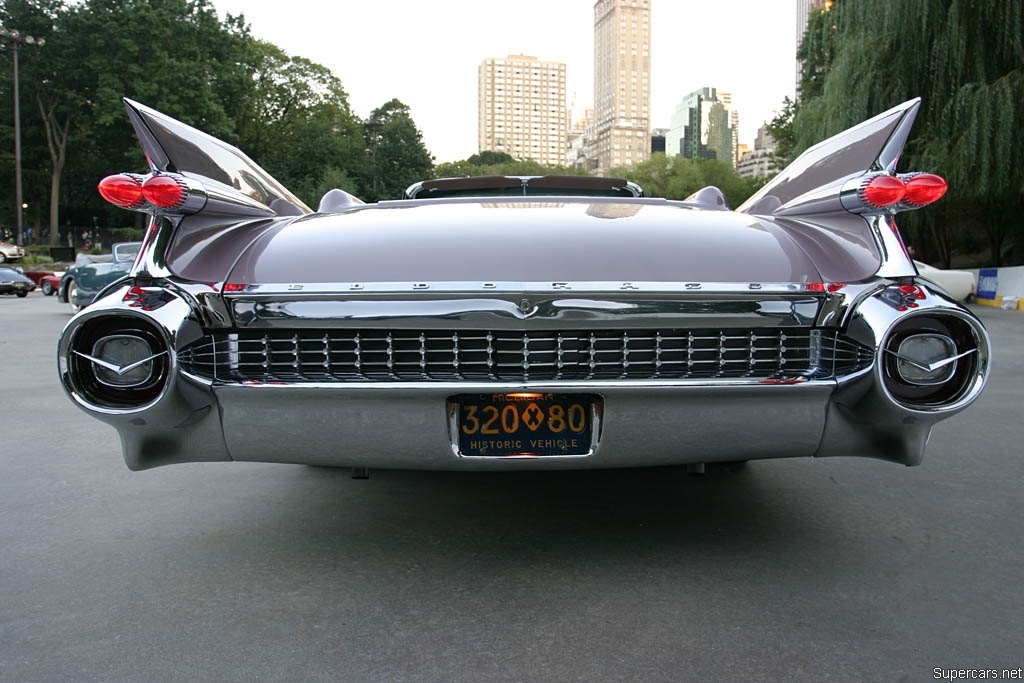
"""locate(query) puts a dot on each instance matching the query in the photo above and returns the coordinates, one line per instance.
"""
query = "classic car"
(532, 324)
(15, 282)
(958, 284)
(11, 252)
(82, 282)
(47, 281)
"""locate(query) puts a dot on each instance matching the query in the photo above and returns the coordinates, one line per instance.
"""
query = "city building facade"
(622, 85)
(759, 162)
(522, 108)
(704, 126)
(580, 131)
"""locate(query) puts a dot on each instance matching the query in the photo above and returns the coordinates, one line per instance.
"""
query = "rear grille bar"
(502, 356)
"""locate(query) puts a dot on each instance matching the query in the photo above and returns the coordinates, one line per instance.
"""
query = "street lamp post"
(14, 40)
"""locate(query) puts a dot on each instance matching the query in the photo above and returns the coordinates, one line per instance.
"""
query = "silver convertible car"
(510, 323)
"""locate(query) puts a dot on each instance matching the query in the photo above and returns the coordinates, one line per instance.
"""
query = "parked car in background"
(13, 282)
(49, 284)
(518, 323)
(47, 281)
(92, 272)
(961, 285)
(11, 252)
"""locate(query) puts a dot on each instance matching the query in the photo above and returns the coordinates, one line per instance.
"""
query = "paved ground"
(806, 570)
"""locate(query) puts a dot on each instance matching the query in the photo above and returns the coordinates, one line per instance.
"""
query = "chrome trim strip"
(543, 311)
(254, 291)
(547, 386)
(150, 263)
(895, 262)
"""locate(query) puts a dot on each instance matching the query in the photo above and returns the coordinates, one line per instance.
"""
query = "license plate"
(524, 424)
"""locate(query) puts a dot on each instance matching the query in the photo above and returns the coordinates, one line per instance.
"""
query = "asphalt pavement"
(796, 570)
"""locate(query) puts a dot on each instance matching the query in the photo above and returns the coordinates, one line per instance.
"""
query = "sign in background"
(988, 283)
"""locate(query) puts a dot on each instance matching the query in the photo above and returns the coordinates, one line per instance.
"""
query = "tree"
(816, 51)
(174, 55)
(676, 177)
(966, 61)
(395, 152)
(781, 130)
(296, 122)
(500, 163)
(490, 158)
(31, 18)
(179, 57)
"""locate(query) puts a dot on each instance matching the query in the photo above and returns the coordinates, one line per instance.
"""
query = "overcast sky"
(426, 53)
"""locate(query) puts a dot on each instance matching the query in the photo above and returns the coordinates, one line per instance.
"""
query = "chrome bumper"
(406, 424)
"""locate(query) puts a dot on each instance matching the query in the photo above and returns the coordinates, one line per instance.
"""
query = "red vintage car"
(47, 281)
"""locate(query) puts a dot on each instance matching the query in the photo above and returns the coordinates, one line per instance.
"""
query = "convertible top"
(507, 186)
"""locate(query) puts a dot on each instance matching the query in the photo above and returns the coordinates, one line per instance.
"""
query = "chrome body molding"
(333, 288)
(511, 307)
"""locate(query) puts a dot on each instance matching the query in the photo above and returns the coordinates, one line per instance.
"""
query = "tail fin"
(225, 171)
(813, 182)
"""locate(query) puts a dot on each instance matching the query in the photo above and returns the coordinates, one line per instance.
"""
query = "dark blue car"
(91, 273)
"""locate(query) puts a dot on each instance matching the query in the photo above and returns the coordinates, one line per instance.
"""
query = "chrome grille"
(504, 356)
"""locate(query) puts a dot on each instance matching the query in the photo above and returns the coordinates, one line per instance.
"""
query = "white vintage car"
(11, 252)
(959, 284)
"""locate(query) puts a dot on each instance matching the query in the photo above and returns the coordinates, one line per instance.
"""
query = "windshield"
(126, 252)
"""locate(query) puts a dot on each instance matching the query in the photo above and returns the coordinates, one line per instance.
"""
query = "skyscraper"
(622, 84)
(704, 126)
(522, 109)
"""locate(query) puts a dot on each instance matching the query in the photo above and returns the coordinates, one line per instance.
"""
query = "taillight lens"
(924, 188)
(160, 192)
(122, 190)
(829, 287)
(884, 190)
(164, 191)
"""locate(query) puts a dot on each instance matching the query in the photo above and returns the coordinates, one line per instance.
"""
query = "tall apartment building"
(622, 84)
(522, 109)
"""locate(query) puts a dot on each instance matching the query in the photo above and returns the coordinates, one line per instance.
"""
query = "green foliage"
(297, 122)
(781, 130)
(396, 156)
(505, 165)
(966, 60)
(490, 158)
(291, 115)
(816, 52)
(127, 234)
(676, 177)
(35, 18)
(660, 176)
(33, 261)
